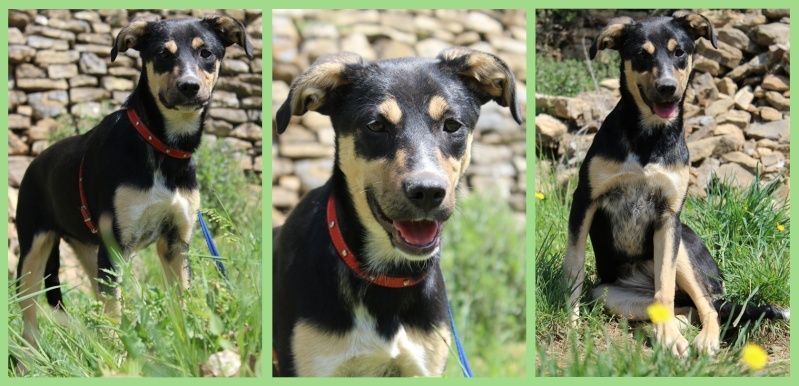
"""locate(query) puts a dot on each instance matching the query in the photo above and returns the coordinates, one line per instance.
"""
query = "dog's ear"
(697, 26)
(230, 30)
(310, 90)
(487, 74)
(131, 36)
(611, 36)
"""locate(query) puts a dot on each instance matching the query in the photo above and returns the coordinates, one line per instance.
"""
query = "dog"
(357, 287)
(131, 179)
(632, 186)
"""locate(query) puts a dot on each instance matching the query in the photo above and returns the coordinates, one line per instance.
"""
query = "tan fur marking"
(30, 281)
(683, 75)
(708, 339)
(390, 110)
(437, 107)
(667, 333)
(649, 47)
(671, 44)
(171, 46)
(197, 42)
(672, 181)
(87, 256)
(574, 263)
(607, 37)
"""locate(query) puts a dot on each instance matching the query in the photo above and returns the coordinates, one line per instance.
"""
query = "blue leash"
(209, 241)
(464, 361)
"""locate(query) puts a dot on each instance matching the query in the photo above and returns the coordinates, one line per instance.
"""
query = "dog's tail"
(737, 314)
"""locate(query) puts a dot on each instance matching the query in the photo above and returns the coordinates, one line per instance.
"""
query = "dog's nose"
(426, 192)
(189, 87)
(666, 87)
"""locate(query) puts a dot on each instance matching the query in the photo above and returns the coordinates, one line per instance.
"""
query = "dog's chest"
(143, 215)
(635, 197)
(363, 352)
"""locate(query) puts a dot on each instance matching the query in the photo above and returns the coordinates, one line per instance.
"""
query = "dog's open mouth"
(418, 237)
(665, 109)
(188, 105)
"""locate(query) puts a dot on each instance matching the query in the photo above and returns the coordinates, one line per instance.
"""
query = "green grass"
(740, 229)
(484, 266)
(161, 333)
(570, 77)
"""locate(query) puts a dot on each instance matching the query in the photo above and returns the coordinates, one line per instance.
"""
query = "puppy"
(632, 186)
(131, 178)
(357, 287)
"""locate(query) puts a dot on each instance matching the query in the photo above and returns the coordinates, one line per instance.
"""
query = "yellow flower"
(781, 227)
(754, 356)
(539, 195)
(658, 313)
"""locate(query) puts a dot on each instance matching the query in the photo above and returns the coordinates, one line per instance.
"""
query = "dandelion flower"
(658, 313)
(781, 227)
(754, 356)
(539, 195)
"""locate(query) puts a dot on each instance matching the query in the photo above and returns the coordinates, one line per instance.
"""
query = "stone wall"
(302, 156)
(61, 76)
(737, 108)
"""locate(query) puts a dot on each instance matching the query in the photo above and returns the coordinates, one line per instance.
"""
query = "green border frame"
(530, 6)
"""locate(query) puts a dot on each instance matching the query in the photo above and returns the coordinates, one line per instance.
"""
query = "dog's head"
(656, 59)
(403, 136)
(182, 57)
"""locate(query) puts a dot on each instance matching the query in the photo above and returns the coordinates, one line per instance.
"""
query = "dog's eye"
(451, 125)
(205, 53)
(679, 52)
(164, 54)
(376, 126)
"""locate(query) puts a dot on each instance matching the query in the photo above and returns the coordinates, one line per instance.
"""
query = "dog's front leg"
(580, 217)
(172, 251)
(666, 244)
(107, 280)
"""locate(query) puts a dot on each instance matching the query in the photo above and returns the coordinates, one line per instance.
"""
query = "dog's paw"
(707, 342)
(668, 334)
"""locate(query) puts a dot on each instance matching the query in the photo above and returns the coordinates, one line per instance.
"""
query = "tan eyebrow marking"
(671, 45)
(390, 110)
(437, 107)
(171, 46)
(649, 47)
(197, 42)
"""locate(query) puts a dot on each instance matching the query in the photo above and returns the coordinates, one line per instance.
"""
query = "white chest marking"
(141, 214)
(363, 352)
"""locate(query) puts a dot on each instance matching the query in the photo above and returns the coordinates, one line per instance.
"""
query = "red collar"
(351, 261)
(148, 136)
(84, 205)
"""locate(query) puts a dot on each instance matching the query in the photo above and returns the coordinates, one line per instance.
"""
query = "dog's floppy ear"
(490, 76)
(230, 30)
(611, 36)
(309, 91)
(131, 36)
(697, 26)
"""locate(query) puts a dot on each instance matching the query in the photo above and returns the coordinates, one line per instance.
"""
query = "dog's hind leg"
(629, 303)
(35, 249)
(52, 283)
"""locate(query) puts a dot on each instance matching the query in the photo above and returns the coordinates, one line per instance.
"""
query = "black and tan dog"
(357, 287)
(132, 176)
(632, 185)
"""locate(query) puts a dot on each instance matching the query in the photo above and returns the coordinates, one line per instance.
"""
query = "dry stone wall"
(737, 107)
(303, 155)
(61, 77)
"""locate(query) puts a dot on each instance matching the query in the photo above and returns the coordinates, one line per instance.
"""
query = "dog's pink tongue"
(417, 232)
(665, 110)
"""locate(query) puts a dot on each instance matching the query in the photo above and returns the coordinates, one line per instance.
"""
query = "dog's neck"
(355, 235)
(178, 129)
